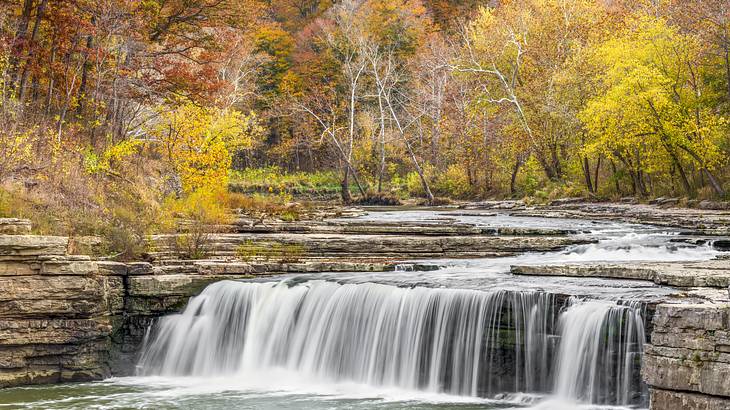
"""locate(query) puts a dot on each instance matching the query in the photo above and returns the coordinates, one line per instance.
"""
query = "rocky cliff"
(56, 312)
(687, 363)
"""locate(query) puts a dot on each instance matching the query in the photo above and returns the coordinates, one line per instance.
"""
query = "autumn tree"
(651, 115)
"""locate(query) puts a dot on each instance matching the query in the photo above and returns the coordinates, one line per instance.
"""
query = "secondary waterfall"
(599, 359)
(461, 342)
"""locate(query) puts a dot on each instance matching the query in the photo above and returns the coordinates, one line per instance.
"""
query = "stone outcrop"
(696, 221)
(687, 363)
(713, 273)
(442, 227)
(383, 246)
(70, 318)
(56, 312)
(14, 226)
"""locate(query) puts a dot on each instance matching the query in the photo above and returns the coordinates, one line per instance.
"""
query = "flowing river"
(465, 335)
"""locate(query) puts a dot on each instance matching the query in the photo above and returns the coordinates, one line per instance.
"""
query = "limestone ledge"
(701, 220)
(688, 357)
(444, 226)
(382, 246)
(71, 318)
(14, 226)
(672, 400)
(713, 273)
(28, 246)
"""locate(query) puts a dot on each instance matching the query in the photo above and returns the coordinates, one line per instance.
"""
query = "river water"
(467, 335)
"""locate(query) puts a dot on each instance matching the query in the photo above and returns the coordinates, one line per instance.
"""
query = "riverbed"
(315, 380)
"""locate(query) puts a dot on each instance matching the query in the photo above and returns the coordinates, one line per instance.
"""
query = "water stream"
(467, 335)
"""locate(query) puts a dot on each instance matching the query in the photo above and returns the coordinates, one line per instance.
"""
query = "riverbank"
(69, 317)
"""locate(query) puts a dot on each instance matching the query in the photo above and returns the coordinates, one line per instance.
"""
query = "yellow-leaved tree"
(198, 142)
(650, 113)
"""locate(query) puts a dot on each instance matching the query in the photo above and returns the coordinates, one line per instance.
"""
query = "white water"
(468, 335)
(600, 353)
(440, 341)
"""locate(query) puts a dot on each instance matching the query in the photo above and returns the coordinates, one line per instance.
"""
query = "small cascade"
(459, 342)
(599, 359)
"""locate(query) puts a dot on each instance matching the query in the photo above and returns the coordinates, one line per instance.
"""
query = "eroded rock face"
(712, 273)
(673, 400)
(56, 313)
(687, 363)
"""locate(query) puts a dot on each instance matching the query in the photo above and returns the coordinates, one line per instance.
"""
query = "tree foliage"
(433, 98)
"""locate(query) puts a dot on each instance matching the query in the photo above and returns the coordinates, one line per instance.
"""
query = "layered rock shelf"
(713, 273)
(382, 246)
(68, 317)
(705, 221)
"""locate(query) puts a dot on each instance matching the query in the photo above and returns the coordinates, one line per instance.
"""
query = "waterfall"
(599, 359)
(460, 342)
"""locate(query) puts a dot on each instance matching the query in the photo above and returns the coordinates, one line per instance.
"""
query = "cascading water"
(459, 342)
(401, 339)
(599, 359)
(440, 340)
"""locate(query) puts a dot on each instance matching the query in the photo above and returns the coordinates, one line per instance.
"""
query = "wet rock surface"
(705, 219)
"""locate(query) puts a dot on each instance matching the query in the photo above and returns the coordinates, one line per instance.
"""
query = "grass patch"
(275, 181)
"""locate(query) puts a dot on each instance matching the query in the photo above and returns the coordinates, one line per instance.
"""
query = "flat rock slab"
(60, 296)
(705, 221)
(676, 400)
(714, 273)
(15, 226)
(32, 245)
(402, 247)
(445, 227)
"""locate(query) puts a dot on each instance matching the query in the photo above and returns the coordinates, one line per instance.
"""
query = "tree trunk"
(640, 185)
(19, 40)
(595, 179)
(587, 174)
(26, 67)
(683, 176)
(513, 179)
(714, 183)
(381, 172)
(345, 185)
(615, 178)
(727, 69)
(85, 71)
(424, 183)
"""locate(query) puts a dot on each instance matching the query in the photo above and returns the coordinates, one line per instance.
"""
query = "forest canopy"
(112, 105)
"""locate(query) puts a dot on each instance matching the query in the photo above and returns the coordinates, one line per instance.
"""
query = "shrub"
(413, 184)
(192, 219)
(274, 180)
(378, 198)
(454, 182)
